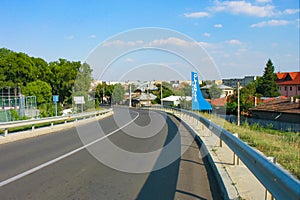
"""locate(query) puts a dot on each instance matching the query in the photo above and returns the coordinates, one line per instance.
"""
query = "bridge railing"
(276, 180)
(51, 120)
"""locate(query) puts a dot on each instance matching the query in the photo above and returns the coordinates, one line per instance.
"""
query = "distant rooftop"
(288, 78)
(279, 105)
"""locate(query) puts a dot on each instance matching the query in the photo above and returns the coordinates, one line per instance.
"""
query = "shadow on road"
(161, 184)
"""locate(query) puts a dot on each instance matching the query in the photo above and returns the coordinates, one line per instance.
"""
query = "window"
(291, 88)
(285, 88)
(298, 88)
(279, 88)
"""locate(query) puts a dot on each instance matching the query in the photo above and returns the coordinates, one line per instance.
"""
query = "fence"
(50, 120)
(284, 126)
(277, 181)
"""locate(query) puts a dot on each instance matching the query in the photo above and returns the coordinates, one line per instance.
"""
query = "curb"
(12, 137)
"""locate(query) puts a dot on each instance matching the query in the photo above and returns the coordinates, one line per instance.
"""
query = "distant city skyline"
(238, 36)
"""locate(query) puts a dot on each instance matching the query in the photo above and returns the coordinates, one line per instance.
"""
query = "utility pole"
(161, 96)
(129, 95)
(238, 112)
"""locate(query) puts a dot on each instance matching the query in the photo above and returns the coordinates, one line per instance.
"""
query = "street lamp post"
(161, 101)
(238, 112)
(129, 95)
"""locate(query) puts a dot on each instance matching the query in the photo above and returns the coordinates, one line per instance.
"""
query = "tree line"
(36, 77)
(264, 86)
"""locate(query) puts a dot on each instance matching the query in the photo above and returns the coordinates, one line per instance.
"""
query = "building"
(138, 98)
(174, 100)
(233, 82)
(145, 99)
(288, 83)
(226, 90)
(283, 110)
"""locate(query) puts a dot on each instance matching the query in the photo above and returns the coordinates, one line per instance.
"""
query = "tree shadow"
(161, 184)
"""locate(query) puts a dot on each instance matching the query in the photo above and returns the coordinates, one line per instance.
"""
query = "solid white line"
(30, 171)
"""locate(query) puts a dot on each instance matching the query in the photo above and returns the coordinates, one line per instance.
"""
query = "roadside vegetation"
(36, 77)
(283, 145)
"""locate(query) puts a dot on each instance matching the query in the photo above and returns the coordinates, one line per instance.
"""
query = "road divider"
(32, 124)
(276, 180)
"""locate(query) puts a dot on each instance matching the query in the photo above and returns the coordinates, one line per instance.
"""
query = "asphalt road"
(136, 154)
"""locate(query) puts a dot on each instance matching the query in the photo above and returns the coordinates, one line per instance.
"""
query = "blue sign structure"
(55, 98)
(198, 102)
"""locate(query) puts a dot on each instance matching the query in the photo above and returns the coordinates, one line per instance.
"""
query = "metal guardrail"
(33, 122)
(276, 180)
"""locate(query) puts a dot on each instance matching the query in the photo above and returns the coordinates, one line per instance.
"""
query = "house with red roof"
(288, 83)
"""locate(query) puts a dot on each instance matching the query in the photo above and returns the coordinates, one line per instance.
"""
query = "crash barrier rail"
(276, 180)
(33, 122)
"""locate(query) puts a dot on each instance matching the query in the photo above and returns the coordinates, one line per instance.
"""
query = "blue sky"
(240, 36)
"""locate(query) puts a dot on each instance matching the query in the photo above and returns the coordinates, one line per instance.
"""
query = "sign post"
(55, 100)
(79, 100)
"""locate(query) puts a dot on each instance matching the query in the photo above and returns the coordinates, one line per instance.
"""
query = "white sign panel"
(79, 100)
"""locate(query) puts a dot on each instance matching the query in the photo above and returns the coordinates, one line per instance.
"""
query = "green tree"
(17, 69)
(266, 85)
(118, 93)
(40, 89)
(99, 92)
(167, 90)
(214, 91)
(62, 79)
(247, 97)
(183, 90)
(82, 86)
(184, 104)
(104, 90)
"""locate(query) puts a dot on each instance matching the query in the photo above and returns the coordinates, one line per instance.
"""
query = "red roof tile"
(279, 105)
(218, 102)
(288, 78)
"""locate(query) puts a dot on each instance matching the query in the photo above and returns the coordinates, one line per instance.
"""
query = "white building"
(175, 100)
(226, 90)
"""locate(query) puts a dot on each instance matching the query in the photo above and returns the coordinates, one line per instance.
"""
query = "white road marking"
(30, 171)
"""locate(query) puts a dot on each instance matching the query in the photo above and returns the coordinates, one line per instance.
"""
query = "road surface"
(59, 166)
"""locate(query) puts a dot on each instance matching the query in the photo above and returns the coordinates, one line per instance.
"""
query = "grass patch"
(285, 146)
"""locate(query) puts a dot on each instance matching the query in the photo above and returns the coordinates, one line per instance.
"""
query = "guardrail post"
(267, 193)
(5, 132)
(32, 127)
(51, 124)
(236, 159)
(221, 142)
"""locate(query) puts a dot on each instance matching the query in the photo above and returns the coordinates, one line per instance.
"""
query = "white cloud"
(92, 36)
(122, 43)
(218, 25)
(242, 7)
(263, 1)
(271, 23)
(291, 11)
(233, 42)
(207, 45)
(172, 41)
(206, 34)
(196, 14)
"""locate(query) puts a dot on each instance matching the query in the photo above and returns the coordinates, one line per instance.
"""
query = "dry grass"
(285, 146)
